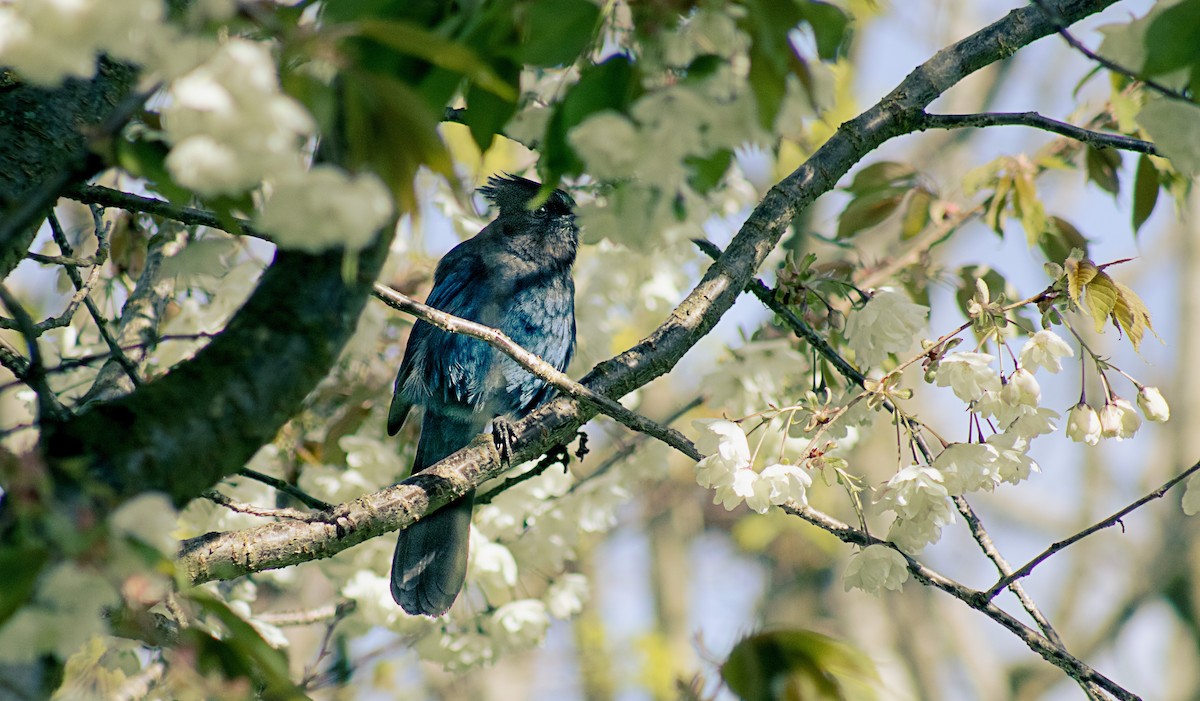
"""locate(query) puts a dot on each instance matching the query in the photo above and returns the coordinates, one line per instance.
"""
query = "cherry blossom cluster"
(230, 126)
(1006, 415)
(729, 470)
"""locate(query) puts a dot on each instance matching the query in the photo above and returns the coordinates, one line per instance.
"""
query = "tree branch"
(47, 139)
(1052, 653)
(1060, 26)
(227, 555)
(1113, 520)
(1090, 137)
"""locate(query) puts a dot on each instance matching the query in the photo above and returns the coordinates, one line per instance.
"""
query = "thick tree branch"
(47, 134)
(1090, 137)
(227, 555)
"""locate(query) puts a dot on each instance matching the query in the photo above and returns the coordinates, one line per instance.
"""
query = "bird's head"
(529, 227)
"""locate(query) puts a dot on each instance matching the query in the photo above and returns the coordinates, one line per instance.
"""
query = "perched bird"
(514, 275)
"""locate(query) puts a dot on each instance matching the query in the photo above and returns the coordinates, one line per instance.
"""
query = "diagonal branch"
(1112, 520)
(1051, 652)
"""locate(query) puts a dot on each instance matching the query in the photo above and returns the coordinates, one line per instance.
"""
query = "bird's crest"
(512, 192)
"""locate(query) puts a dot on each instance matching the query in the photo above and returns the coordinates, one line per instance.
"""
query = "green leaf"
(611, 85)
(242, 652)
(21, 566)
(1145, 191)
(831, 28)
(1102, 165)
(916, 213)
(390, 131)
(555, 32)
(487, 113)
(1101, 298)
(707, 172)
(868, 210)
(1028, 206)
(969, 277)
(1059, 239)
(1131, 314)
(772, 55)
(412, 40)
(882, 175)
(1175, 128)
(994, 215)
(798, 664)
(1080, 273)
(1173, 39)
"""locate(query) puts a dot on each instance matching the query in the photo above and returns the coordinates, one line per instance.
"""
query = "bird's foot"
(503, 436)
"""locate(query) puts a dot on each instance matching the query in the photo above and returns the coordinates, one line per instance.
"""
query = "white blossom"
(1152, 404)
(326, 207)
(457, 650)
(1012, 464)
(566, 595)
(876, 568)
(887, 323)
(786, 483)
(740, 487)
(967, 467)
(1083, 424)
(912, 535)
(1119, 420)
(493, 567)
(1044, 349)
(725, 444)
(1031, 424)
(1191, 496)
(230, 113)
(518, 625)
(918, 492)
(1021, 389)
(969, 375)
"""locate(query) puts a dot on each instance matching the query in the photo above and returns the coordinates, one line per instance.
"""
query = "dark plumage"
(514, 275)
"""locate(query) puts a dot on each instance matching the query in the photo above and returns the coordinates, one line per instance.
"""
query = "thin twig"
(538, 367)
(62, 260)
(108, 197)
(1113, 520)
(83, 290)
(293, 514)
(307, 616)
(1096, 139)
(557, 456)
(1060, 26)
(35, 373)
(1054, 654)
(287, 488)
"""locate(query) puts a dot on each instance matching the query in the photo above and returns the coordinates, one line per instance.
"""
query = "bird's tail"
(431, 555)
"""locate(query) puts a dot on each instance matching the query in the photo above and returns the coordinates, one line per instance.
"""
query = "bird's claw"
(503, 436)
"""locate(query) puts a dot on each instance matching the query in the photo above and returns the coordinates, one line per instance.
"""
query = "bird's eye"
(540, 211)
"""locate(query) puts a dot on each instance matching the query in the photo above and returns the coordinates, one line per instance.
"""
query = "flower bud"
(1118, 419)
(1152, 404)
(1083, 424)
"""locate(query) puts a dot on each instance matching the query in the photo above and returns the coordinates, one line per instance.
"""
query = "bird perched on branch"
(515, 276)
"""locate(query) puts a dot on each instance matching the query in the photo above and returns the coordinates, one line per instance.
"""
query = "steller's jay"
(515, 276)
